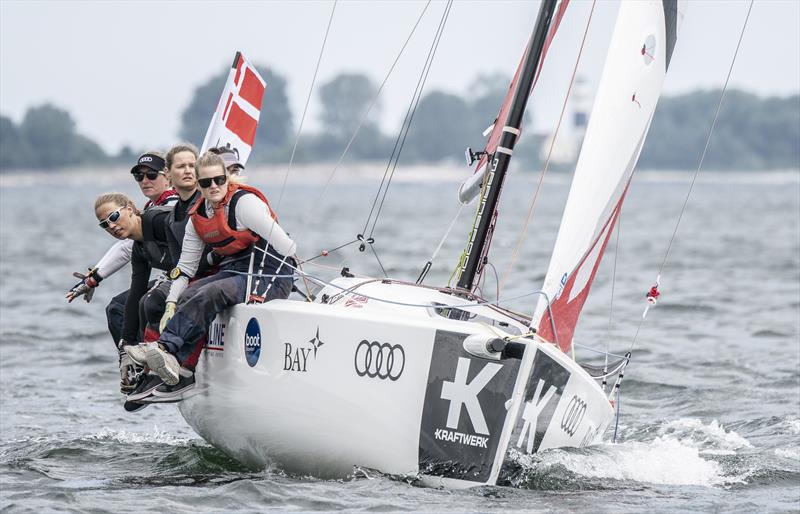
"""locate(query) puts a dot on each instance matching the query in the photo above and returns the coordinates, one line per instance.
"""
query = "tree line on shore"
(752, 133)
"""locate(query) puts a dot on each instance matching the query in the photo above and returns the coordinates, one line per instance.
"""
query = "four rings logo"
(573, 416)
(377, 360)
(146, 158)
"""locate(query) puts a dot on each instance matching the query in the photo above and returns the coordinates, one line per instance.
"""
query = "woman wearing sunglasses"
(152, 248)
(234, 220)
(148, 172)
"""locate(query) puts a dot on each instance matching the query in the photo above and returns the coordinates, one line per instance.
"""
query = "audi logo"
(377, 360)
(573, 415)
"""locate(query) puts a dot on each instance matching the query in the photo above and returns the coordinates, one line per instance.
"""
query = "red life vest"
(219, 231)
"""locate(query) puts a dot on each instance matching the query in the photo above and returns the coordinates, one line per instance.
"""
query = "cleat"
(163, 364)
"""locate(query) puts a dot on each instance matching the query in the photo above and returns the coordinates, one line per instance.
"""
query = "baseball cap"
(229, 156)
(151, 161)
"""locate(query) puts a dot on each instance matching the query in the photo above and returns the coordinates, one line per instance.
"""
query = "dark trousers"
(151, 309)
(115, 314)
(203, 300)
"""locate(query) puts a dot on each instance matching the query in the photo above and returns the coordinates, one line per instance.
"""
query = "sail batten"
(642, 42)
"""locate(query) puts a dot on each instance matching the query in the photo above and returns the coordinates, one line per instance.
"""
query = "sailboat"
(436, 382)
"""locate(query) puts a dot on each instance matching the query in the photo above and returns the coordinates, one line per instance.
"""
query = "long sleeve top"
(251, 213)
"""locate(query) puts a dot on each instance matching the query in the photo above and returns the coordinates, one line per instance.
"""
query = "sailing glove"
(169, 311)
(85, 286)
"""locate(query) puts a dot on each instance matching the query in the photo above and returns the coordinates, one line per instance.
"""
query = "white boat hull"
(318, 388)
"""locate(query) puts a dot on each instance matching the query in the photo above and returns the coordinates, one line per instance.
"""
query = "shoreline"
(320, 174)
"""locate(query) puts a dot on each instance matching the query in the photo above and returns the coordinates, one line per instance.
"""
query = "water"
(710, 407)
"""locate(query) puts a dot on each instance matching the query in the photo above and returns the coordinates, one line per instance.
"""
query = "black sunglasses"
(112, 218)
(138, 176)
(206, 182)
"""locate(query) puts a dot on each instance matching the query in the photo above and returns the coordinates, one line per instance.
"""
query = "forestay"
(638, 57)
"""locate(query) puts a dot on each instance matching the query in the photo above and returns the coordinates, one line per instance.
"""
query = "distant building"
(570, 136)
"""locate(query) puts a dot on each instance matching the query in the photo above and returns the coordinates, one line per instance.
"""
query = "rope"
(406, 125)
(428, 264)
(611, 303)
(602, 352)
(305, 108)
(382, 300)
(320, 281)
(325, 253)
(366, 113)
(535, 199)
(413, 108)
(694, 179)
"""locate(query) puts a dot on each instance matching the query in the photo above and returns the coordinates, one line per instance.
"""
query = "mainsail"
(638, 57)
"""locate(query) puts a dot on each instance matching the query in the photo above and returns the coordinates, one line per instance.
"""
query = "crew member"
(149, 173)
(231, 158)
(148, 230)
(236, 221)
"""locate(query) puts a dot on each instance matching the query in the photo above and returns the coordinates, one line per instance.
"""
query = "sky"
(126, 70)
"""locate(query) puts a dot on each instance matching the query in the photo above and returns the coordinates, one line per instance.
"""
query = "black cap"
(150, 160)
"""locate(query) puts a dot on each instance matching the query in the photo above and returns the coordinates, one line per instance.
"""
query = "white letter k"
(460, 393)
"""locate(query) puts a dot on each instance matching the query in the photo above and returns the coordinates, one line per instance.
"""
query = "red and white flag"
(235, 121)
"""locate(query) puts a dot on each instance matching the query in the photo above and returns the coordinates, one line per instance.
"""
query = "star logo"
(316, 342)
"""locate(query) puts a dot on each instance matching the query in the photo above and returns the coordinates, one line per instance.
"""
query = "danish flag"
(235, 121)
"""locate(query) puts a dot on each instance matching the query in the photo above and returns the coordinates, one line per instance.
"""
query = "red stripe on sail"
(242, 124)
(565, 311)
(252, 89)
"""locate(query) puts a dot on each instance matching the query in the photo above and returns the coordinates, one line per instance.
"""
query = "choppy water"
(710, 407)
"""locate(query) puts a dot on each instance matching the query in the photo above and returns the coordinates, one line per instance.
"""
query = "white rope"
(696, 173)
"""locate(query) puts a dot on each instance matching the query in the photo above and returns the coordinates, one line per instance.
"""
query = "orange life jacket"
(219, 231)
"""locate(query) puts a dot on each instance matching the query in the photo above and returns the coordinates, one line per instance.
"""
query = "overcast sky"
(126, 70)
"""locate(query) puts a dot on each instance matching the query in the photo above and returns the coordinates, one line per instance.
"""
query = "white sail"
(638, 57)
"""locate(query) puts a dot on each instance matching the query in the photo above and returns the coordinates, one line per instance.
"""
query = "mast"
(479, 235)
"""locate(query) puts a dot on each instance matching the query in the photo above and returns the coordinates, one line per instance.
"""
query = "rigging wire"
(305, 107)
(694, 176)
(406, 126)
(611, 303)
(535, 199)
(316, 203)
(428, 264)
(653, 294)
